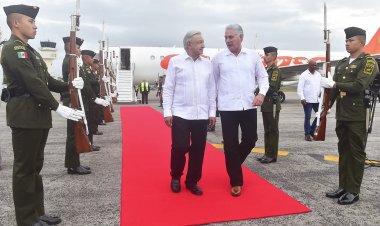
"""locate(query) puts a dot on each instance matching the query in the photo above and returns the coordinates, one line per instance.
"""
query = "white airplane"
(132, 65)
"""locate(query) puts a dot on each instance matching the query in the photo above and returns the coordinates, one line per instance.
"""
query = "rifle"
(320, 131)
(103, 87)
(82, 143)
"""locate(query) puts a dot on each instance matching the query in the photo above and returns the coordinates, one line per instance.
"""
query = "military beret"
(79, 41)
(353, 31)
(88, 53)
(96, 61)
(30, 11)
(270, 49)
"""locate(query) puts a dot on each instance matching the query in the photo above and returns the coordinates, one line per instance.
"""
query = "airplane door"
(125, 59)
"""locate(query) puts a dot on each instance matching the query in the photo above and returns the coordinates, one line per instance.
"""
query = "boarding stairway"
(125, 86)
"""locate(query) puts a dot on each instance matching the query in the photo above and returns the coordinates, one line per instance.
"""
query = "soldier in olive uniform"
(72, 162)
(28, 113)
(99, 117)
(271, 107)
(352, 76)
(89, 93)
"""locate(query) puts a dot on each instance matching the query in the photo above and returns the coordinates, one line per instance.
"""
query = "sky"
(286, 24)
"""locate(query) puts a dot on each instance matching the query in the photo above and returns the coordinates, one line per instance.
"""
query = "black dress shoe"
(196, 190)
(261, 158)
(50, 220)
(86, 167)
(98, 133)
(78, 170)
(95, 148)
(348, 198)
(267, 160)
(335, 194)
(175, 185)
(40, 223)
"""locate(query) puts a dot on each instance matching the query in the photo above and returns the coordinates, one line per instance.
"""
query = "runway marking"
(334, 158)
(255, 150)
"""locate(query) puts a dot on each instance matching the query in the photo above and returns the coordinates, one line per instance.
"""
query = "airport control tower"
(48, 53)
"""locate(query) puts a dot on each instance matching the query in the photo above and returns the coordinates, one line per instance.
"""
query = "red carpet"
(146, 198)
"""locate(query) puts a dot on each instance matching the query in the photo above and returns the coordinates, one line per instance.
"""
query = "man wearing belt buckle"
(352, 76)
(28, 113)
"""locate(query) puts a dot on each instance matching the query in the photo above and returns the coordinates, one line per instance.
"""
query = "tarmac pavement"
(94, 199)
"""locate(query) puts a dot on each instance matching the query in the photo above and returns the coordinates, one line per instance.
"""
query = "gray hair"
(188, 37)
(235, 27)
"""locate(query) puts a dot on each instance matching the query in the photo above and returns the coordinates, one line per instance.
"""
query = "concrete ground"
(304, 174)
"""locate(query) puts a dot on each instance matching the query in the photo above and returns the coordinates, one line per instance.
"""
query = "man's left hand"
(259, 99)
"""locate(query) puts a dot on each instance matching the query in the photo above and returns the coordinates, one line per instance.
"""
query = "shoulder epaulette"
(18, 42)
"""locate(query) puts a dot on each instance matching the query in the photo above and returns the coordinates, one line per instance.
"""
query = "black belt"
(15, 93)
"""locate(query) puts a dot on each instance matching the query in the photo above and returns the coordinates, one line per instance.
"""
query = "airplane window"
(152, 57)
(162, 57)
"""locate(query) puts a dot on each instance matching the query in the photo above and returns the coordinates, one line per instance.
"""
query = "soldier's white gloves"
(113, 94)
(106, 79)
(108, 98)
(317, 114)
(327, 82)
(78, 83)
(69, 113)
(100, 101)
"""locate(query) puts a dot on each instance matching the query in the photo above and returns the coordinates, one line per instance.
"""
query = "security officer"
(270, 109)
(144, 90)
(90, 100)
(29, 113)
(352, 76)
(72, 162)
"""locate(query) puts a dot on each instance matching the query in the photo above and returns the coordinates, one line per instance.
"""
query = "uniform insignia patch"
(369, 67)
(19, 47)
(353, 66)
(274, 76)
(22, 55)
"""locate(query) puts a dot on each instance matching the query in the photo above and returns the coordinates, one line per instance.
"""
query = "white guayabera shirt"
(189, 90)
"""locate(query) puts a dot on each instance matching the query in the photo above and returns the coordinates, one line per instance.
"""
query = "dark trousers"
(144, 97)
(352, 154)
(92, 123)
(71, 155)
(188, 136)
(271, 133)
(307, 108)
(236, 152)
(28, 192)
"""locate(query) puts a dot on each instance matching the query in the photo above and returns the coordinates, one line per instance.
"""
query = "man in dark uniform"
(160, 88)
(99, 117)
(352, 76)
(29, 113)
(271, 107)
(72, 162)
(90, 100)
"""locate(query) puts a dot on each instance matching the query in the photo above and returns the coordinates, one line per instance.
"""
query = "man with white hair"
(189, 101)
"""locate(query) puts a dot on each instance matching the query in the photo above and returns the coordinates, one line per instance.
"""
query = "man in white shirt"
(189, 101)
(308, 90)
(236, 71)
